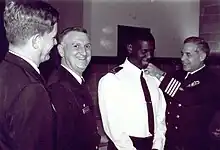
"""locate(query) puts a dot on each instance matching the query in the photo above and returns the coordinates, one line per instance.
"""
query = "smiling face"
(192, 58)
(141, 53)
(75, 50)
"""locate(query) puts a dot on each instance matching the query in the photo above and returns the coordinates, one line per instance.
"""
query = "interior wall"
(170, 22)
(210, 24)
(71, 12)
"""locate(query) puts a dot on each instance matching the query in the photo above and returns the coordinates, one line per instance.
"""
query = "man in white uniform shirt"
(124, 104)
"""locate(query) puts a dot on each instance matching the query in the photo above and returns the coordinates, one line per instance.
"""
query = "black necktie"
(83, 81)
(149, 104)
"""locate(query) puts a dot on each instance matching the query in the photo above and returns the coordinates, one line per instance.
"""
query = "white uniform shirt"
(123, 107)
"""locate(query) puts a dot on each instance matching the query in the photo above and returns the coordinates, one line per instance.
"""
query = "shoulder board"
(116, 69)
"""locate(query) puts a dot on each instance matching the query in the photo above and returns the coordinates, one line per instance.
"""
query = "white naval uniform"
(123, 107)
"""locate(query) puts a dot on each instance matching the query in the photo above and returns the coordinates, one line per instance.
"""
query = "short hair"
(202, 45)
(70, 29)
(135, 34)
(147, 36)
(22, 20)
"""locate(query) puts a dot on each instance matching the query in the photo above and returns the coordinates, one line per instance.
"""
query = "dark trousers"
(193, 144)
(139, 143)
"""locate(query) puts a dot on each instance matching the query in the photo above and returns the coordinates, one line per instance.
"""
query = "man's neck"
(78, 77)
(25, 53)
(202, 66)
(134, 62)
(64, 63)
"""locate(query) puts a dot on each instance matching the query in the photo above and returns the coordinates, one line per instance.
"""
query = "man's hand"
(154, 71)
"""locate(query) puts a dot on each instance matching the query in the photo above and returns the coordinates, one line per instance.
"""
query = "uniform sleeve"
(159, 138)
(170, 85)
(109, 97)
(31, 119)
(214, 127)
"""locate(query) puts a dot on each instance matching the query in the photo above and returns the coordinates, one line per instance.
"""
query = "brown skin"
(140, 53)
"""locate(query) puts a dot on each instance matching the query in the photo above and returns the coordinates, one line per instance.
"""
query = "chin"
(81, 68)
(144, 66)
(186, 69)
(46, 58)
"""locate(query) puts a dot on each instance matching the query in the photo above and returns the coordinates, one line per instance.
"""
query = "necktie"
(83, 81)
(149, 104)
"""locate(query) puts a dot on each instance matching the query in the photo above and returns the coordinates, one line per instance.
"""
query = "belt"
(141, 138)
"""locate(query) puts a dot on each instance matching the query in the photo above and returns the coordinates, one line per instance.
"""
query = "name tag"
(86, 110)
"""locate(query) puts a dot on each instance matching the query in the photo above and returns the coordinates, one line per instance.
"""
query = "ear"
(202, 56)
(36, 41)
(60, 50)
(129, 48)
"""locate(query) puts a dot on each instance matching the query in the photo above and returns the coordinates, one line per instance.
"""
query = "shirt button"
(177, 116)
(167, 123)
(179, 105)
(96, 147)
(170, 103)
(168, 112)
(84, 105)
(176, 127)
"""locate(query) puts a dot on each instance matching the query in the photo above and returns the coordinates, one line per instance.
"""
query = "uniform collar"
(20, 62)
(131, 67)
(80, 79)
(197, 69)
(193, 72)
(27, 60)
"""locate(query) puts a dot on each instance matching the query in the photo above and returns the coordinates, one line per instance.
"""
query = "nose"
(183, 57)
(83, 51)
(148, 55)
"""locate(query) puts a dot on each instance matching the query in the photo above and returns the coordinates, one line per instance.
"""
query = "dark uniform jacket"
(26, 115)
(191, 104)
(76, 124)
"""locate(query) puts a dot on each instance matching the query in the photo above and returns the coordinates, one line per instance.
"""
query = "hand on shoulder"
(154, 71)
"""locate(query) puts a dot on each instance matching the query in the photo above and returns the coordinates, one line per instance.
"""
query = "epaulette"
(116, 69)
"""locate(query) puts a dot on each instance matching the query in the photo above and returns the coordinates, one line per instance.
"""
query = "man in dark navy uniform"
(26, 114)
(191, 95)
(76, 124)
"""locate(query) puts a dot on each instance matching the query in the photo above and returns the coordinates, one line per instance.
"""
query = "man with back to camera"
(192, 97)
(76, 123)
(131, 104)
(26, 113)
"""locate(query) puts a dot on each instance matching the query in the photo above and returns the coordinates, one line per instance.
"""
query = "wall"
(71, 12)
(210, 23)
(170, 21)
